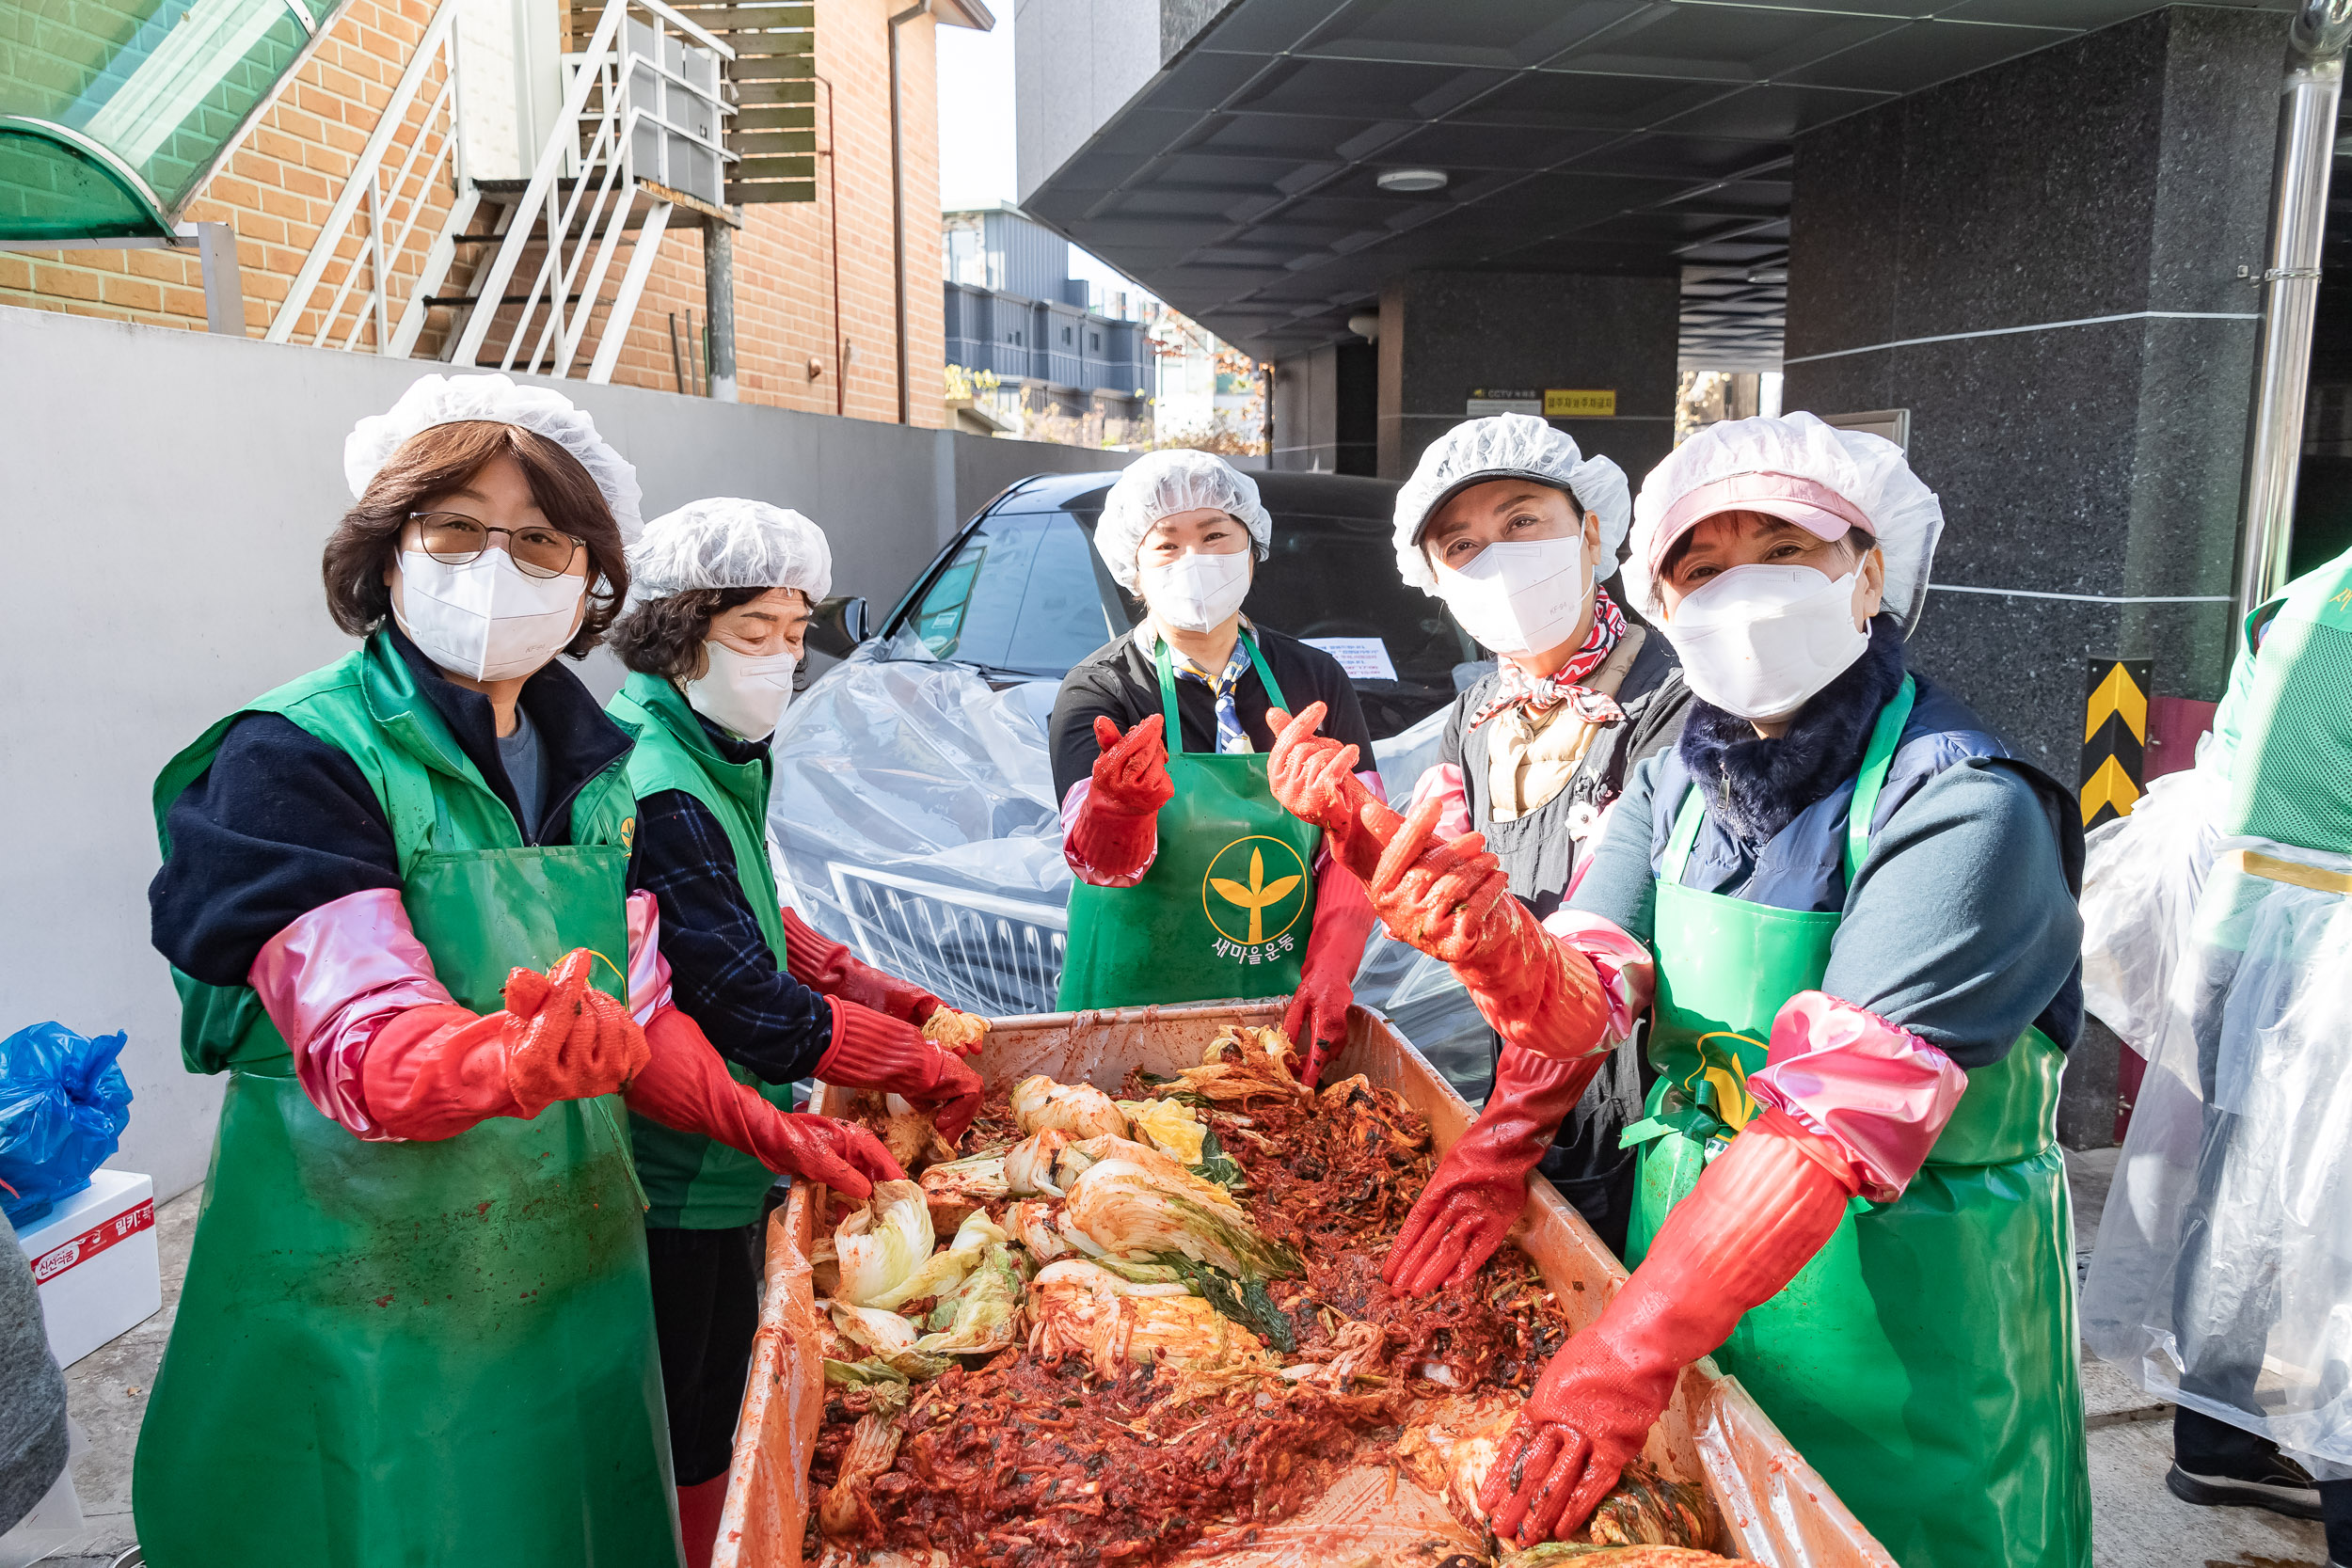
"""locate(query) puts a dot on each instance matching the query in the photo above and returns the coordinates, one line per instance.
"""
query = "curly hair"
(436, 461)
(665, 635)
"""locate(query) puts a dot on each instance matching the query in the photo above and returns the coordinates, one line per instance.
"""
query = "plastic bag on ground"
(63, 1106)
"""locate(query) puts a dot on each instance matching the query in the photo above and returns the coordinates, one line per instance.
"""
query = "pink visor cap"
(1806, 502)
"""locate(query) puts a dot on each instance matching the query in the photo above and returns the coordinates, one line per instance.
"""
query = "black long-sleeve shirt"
(283, 822)
(723, 973)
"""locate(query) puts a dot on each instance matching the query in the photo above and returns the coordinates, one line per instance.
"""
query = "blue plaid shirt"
(723, 973)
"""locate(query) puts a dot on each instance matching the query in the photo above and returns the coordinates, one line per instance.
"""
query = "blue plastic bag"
(63, 1106)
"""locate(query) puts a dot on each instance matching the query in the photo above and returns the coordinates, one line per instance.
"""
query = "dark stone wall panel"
(1444, 334)
(2019, 663)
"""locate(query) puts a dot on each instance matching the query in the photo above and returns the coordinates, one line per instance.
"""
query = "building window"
(1065, 335)
(1094, 340)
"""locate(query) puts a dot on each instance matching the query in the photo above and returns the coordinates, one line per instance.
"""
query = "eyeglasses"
(453, 539)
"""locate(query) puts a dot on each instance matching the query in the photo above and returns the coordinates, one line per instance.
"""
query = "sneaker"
(2283, 1488)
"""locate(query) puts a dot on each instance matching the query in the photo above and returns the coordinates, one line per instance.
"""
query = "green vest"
(2292, 783)
(692, 1184)
(399, 1352)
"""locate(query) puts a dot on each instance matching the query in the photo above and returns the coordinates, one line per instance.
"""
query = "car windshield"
(1025, 596)
(1020, 598)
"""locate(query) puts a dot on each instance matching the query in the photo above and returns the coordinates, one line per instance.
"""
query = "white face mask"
(486, 619)
(744, 693)
(1519, 598)
(1757, 642)
(1196, 592)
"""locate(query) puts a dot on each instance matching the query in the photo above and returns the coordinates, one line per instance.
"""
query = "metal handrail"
(364, 184)
(580, 229)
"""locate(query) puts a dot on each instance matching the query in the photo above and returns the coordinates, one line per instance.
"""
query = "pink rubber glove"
(1453, 903)
(1479, 1189)
(1316, 1021)
(827, 967)
(685, 1084)
(871, 1052)
(1756, 1216)
(436, 1070)
(1119, 822)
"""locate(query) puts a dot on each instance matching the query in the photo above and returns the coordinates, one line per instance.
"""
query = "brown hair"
(664, 636)
(1861, 541)
(436, 461)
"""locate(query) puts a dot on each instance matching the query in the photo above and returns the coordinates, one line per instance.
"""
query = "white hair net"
(1868, 471)
(1161, 482)
(721, 542)
(438, 399)
(1506, 446)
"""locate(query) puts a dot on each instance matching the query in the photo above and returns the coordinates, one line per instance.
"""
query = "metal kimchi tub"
(1775, 1508)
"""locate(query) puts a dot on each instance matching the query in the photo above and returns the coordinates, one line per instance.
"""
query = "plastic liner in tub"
(1775, 1508)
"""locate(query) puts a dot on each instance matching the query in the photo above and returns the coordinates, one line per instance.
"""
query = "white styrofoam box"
(95, 1260)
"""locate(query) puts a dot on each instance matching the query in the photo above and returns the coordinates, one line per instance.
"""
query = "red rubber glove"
(685, 1084)
(827, 967)
(1119, 822)
(1454, 902)
(1479, 1189)
(432, 1072)
(1758, 1214)
(1315, 778)
(871, 1052)
(1316, 1021)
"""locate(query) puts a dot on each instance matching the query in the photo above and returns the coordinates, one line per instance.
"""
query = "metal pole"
(719, 303)
(2298, 219)
(898, 203)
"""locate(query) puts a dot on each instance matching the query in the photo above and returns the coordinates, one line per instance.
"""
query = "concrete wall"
(2064, 232)
(1443, 334)
(1075, 64)
(164, 495)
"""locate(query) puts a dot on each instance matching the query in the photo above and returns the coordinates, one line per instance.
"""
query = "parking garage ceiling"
(1243, 183)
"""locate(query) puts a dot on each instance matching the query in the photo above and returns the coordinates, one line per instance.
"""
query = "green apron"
(692, 1184)
(1227, 903)
(397, 1355)
(1925, 1360)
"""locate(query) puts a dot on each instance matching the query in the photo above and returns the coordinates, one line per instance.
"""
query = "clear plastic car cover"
(913, 819)
(2224, 1261)
(914, 809)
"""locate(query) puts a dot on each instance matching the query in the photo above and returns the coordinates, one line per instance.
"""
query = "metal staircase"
(541, 275)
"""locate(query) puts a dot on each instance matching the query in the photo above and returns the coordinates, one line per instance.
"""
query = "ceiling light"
(1411, 181)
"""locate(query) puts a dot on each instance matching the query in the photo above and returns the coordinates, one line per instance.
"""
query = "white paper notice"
(1364, 659)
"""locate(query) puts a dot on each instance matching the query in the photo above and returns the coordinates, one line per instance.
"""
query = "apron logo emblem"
(1723, 1077)
(1225, 892)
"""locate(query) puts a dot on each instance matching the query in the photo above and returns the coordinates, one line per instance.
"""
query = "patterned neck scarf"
(1231, 736)
(1542, 693)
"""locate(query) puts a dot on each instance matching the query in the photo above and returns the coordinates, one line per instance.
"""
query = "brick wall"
(786, 312)
(278, 188)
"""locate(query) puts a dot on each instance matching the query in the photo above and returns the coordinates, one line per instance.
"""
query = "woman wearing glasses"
(417, 1325)
(721, 595)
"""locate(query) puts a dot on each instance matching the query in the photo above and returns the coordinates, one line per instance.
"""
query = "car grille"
(976, 951)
